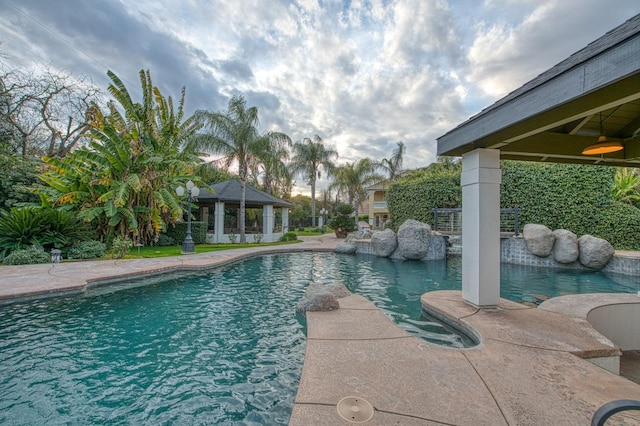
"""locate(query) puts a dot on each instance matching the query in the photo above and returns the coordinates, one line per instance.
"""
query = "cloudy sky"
(361, 74)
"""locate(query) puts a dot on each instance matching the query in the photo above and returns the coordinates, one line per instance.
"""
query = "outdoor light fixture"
(323, 212)
(602, 146)
(193, 191)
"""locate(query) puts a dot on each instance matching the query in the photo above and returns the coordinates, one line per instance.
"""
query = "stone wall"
(514, 250)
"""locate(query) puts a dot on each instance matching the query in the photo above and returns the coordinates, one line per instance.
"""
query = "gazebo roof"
(557, 114)
(229, 191)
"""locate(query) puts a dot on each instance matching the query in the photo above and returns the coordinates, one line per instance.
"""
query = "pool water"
(223, 347)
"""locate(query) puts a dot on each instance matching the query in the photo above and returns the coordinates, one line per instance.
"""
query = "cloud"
(362, 74)
(507, 53)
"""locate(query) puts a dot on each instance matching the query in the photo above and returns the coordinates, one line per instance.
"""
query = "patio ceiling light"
(602, 147)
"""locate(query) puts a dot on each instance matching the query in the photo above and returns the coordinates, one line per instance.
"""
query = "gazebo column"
(267, 221)
(480, 181)
(285, 220)
(218, 230)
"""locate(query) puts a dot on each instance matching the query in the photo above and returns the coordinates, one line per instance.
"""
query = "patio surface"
(527, 370)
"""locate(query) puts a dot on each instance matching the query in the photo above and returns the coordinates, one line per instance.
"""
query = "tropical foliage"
(351, 179)
(309, 157)
(124, 179)
(41, 227)
(626, 186)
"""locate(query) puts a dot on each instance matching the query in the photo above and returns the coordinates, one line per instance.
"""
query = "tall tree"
(309, 156)
(124, 179)
(393, 166)
(235, 135)
(45, 113)
(352, 179)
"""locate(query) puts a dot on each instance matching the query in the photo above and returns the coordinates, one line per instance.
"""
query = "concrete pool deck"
(527, 370)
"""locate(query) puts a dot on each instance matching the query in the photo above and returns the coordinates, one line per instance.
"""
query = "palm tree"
(393, 166)
(308, 157)
(276, 175)
(234, 134)
(352, 179)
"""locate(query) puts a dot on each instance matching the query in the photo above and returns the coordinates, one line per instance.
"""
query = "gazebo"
(584, 110)
(220, 208)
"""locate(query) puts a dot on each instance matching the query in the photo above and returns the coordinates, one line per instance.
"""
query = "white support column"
(219, 222)
(285, 220)
(480, 181)
(267, 221)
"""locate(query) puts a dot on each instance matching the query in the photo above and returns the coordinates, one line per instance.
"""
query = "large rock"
(384, 243)
(565, 248)
(338, 290)
(595, 252)
(349, 246)
(539, 239)
(414, 239)
(318, 297)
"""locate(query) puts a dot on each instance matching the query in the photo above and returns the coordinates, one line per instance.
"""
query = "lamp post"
(193, 191)
(323, 212)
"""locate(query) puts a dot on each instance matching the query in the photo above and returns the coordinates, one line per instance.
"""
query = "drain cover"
(355, 410)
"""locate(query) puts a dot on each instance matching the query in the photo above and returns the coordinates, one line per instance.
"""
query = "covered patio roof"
(229, 192)
(557, 114)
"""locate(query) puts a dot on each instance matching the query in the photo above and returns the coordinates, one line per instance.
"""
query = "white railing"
(381, 205)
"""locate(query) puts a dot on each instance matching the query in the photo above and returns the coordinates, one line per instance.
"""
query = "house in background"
(376, 204)
(219, 207)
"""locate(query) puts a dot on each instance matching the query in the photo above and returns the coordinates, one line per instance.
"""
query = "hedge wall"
(568, 196)
(417, 195)
(179, 232)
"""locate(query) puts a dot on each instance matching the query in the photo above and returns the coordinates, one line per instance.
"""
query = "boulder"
(318, 297)
(414, 239)
(349, 246)
(539, 239)
(338, 290)
(565, 248)
(384, 243)
(317, 302)
(595, 252)
(363, 234)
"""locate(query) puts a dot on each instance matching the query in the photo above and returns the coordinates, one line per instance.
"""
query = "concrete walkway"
(527, 370)
(25, 282)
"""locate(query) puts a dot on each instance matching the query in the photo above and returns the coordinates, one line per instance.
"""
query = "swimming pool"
(222, 347)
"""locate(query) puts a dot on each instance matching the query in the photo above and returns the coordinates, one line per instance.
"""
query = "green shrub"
(25, 227)
(164, 240)
(257, 238)
(289, 236)
(179, 231)
(120, 247)
(87, 250)
(345, 209)
(343, 223)
(27, 257)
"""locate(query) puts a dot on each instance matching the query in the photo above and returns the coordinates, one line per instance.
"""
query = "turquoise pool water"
(220, 348)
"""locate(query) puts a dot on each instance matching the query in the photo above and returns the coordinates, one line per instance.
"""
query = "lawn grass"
(166, 251)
